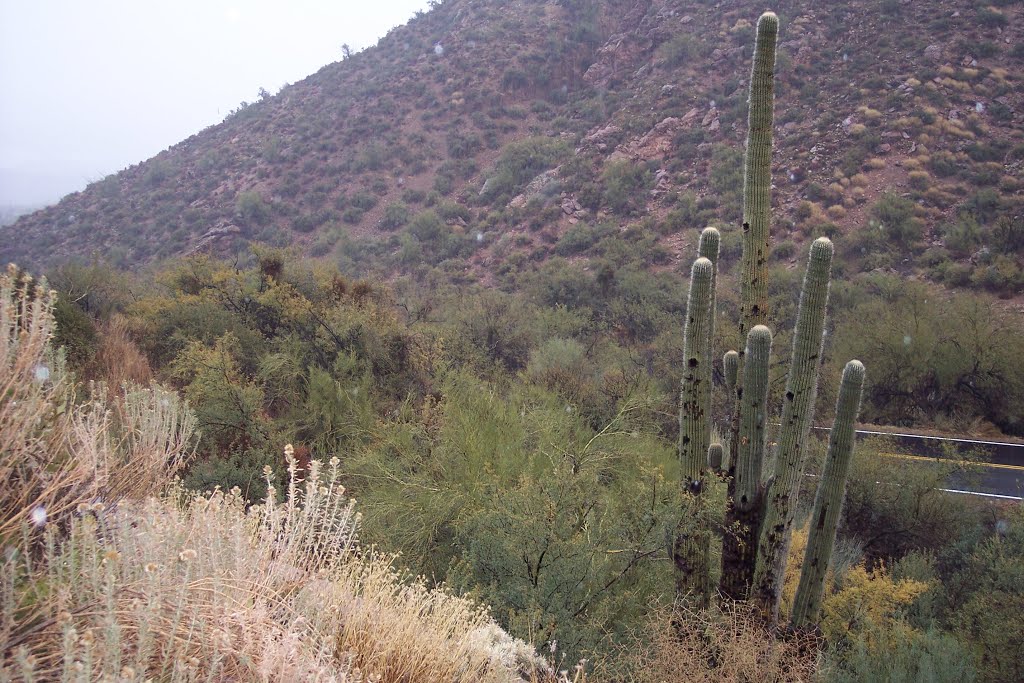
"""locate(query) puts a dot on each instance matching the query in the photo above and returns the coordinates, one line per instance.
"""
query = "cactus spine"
(692, 547)
(829, 501)
(798, 408)
(744, 516)
(757, 178)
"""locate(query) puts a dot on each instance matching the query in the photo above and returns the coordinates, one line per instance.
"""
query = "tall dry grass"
(725, 644)
(109, 572)
(118, 361)
(56, 452)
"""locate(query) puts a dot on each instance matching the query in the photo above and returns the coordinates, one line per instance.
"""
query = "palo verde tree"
(762, 505)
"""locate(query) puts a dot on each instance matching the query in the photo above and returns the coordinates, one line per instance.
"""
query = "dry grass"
(55, 453)
(724, 645)
(198, 587)
(111, 573)
(118, 361)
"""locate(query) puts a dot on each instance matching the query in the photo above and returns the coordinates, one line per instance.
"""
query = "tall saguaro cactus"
(829, 501)
(757, 177)
(759, 514)
(692, 547)
(797, 411)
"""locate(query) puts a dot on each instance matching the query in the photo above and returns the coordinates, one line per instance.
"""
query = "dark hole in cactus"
(693, 362)
(789, 396)
(746, 226)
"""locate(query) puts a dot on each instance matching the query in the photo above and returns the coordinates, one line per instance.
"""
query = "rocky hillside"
(485, 135)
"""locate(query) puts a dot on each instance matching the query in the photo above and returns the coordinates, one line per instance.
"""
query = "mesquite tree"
(761, 508)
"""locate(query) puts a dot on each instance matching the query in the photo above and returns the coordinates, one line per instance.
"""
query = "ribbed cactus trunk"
(693, 540)
(797, 411)
(829, 501)
(757, 178)
(743, 517)
(710, 243)
(731, 366)
(715, 456)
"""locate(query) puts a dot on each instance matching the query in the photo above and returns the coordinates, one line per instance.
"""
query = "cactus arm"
(710, 242)
(692, 547)
(731, 364)
(829, 501)
(715, 453)
(757, 177)
(753, 413)
(798, 409)
(744, 515)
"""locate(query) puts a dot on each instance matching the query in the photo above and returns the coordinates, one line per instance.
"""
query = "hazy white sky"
(88, 87)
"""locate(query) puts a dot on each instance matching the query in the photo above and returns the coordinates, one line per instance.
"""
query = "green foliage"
(625, 186)
(900, 655)
(679, 49)
(1008, 234)
(893, 220)
(228, 406)
(963, 235)
(581, 237)
(505, 494)
(75, 333)
(991, 17)
(395, 216)
(926, 369)
(726, 175)
(252, 209)
(987, 600)
(522, 161)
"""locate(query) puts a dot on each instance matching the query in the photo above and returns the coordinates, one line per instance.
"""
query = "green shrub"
(521, 162)
(395, 216)
(893, 217)
(582, 237)
(991, 17)
(252, 209)
(625, 186)
(1008, 234)
(963, 235)
(983, 205)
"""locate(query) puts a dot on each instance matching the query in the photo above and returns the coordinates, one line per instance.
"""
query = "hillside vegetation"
(447, 327)
(485, 137)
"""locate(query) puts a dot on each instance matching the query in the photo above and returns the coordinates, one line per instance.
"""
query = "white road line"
(985, 495)
(936, 438)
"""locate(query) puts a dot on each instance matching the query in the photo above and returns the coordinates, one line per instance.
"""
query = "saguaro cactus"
(744, 515)
(757, 178)
(798, 409)
(715, 454)
(829, 501)
(731, 366)
(692, 546)
(710, 243)
(759, 516)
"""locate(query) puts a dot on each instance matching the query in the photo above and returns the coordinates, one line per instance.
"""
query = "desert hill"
(484, 135)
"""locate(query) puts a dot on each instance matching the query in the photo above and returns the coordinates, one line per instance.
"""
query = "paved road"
(1000, 474)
